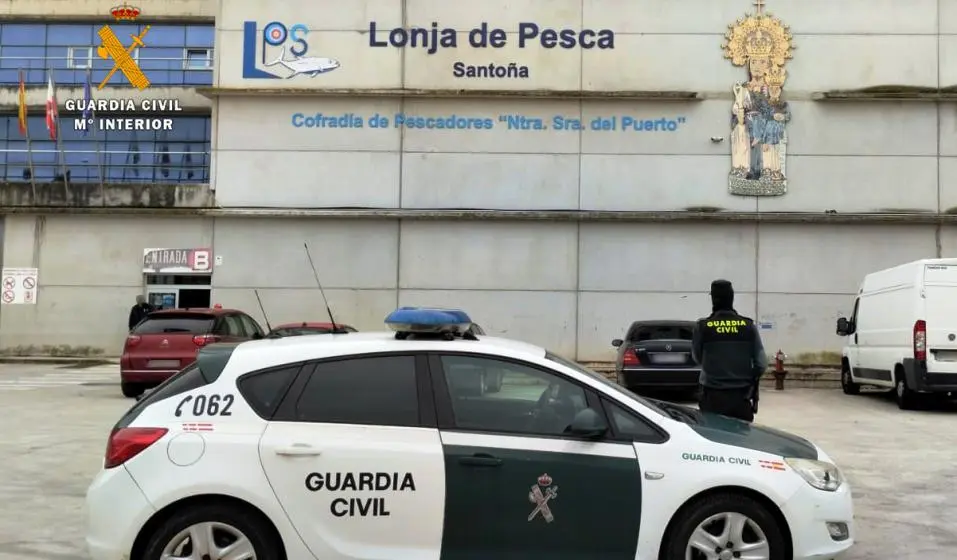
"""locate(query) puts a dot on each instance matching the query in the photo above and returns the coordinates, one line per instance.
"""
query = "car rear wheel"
(131, 390)
(724, 527)
(213, 532)
(906, 398)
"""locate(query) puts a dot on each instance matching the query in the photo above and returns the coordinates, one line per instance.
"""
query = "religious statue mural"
(761, 44)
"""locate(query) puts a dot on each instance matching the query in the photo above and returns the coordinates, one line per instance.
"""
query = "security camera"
(717, 139)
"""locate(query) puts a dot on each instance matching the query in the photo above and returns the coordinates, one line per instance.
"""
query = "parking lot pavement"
(899, 463)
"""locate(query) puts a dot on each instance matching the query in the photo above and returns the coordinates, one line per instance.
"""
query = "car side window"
(857, 304)
(234, 326)
(378, 390)
(492, 395)
(252, 328)
(263, 390)
(630, 426)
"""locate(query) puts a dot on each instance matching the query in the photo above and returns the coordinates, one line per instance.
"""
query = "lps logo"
(272, 45)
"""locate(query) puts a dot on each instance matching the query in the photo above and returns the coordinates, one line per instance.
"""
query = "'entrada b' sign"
(177, 261)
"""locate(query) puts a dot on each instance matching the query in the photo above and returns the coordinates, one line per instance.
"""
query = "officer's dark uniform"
(728, 347)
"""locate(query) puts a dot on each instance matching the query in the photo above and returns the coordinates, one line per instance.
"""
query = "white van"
(902, 334)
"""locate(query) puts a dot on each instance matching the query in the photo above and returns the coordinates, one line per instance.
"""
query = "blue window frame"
(181, 155)
(170, 58)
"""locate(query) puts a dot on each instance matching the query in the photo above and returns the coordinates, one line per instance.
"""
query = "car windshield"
(173, 323)
(653, 404)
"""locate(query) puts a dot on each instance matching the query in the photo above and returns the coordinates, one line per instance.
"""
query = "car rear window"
(188, 379)
(172, 323)
(660, 332)
(209, 364)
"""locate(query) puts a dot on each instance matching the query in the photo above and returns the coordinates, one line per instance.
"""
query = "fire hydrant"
(779, 372)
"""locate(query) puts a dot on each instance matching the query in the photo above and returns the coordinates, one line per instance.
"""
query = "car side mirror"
(617, 342)
(843, 327)
(588, 424)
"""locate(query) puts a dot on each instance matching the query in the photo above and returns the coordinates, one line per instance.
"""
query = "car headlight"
(819, 474)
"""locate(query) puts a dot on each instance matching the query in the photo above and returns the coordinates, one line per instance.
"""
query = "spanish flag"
(22, 106)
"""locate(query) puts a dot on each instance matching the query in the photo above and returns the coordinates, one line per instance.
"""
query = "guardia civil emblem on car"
(540, 495)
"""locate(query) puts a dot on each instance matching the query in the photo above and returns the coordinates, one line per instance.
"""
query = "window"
(528, 400)
(263, 390)
(628, 425)
(604, 381)
(79, 57)
(379, 391)
(171, 323)
(114, 155)
(250, 325)
(191, 377)
(234, 326)
(197, 59)
(670, 331)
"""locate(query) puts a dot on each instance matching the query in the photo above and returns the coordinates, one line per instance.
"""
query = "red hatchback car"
(167, 341)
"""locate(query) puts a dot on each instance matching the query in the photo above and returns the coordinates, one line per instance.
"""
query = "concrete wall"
(849, 157)
(570, 287)
(90, 270)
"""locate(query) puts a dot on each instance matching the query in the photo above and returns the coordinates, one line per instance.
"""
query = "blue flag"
(88, 113)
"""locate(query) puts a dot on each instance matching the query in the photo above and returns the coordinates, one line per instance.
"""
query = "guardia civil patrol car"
(390, 446)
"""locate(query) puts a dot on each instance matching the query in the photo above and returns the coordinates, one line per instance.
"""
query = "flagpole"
(26, 133)
(56, 133)
(91, 121)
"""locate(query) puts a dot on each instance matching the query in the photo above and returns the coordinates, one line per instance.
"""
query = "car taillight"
(920, 341)
(204, 339)
(126, 443)
(630, 358)
(133, 340)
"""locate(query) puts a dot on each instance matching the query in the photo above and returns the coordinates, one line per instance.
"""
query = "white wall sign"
(177, 261)
(19, 286)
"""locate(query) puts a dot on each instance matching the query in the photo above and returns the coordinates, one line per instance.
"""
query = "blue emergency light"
(428, 321)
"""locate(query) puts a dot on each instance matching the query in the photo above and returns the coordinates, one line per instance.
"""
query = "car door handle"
(297, 450)
(481, 460)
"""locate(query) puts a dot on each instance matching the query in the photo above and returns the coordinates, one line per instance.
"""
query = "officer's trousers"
(729, 402)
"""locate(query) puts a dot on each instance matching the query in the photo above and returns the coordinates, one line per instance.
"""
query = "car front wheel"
(214, 532)
(847, 383)
(726, 526)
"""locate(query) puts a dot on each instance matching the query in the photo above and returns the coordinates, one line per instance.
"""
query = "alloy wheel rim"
(210, 540)
(900, 388)
(728, 536)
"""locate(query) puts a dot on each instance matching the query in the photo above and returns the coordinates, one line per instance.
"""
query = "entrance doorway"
(178, 291)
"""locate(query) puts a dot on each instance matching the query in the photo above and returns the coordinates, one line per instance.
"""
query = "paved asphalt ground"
(901, 464)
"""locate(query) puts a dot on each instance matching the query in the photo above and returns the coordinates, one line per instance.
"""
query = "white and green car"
(373, 446)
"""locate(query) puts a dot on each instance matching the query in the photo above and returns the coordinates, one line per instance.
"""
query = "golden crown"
(759, 44)
(125, 12)
(776, 76)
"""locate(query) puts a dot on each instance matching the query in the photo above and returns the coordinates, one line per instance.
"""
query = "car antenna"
(335, 328)
(263, 309)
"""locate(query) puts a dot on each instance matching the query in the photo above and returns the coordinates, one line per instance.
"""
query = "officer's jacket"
(728, 347)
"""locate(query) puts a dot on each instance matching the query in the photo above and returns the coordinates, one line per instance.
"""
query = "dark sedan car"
(657, 355)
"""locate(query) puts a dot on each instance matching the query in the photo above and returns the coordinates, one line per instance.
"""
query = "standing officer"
(728, 347)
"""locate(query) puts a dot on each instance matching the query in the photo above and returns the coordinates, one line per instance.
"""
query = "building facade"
(558, 168)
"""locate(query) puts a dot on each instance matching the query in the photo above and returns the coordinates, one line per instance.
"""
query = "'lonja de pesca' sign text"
(433, 38)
